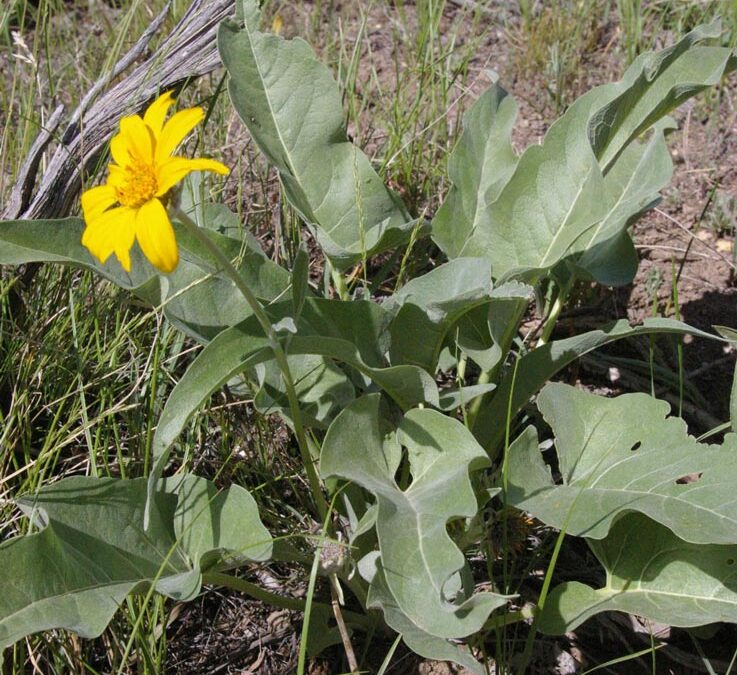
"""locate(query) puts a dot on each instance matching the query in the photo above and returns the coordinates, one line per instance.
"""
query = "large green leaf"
(424, 644)
(428, 306)
(350, 332)
(420, 562)
(196, 297)
(655, 84)
(534, 369)
(479, 167)
(557, 201)
(291, 105)
(93, 551)
(323, 389)
(652, 573)
(625, 454)
(486, 332)
(632, 187)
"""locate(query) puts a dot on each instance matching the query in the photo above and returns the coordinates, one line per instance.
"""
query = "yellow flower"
(132, 204)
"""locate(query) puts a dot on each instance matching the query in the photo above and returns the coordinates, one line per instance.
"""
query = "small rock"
(724, 246)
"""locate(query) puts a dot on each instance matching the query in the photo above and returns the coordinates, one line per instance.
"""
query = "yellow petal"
(156, 113)
(156, 236)
(175, 130)
(137, 139)
(96, 200)
(111, 231)
(119, 150)
(176, 168)
(116, 177)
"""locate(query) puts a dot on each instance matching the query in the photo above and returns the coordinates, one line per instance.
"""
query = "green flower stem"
(492, 375)
(279, 354)
(555, 311)
(296, 604)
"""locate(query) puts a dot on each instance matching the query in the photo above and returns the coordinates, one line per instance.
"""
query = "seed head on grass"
(131, 205)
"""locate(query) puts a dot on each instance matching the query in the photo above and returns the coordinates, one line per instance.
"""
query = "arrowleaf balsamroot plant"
(410, 411)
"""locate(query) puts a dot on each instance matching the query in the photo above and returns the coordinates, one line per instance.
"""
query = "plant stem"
(238, 584)
(258, 593)
(475, 405)
(523, 614)
(341, 288)
(555, 311)
(504, 345)
(279, 354)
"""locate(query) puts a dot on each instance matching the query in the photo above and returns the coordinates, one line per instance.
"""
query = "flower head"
(131, 204)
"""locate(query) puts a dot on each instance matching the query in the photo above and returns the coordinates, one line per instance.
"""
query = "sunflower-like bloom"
(132, 203)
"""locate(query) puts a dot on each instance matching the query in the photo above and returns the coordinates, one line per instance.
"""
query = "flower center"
(139, 185)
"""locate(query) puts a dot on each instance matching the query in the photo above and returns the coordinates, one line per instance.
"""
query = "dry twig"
(189, 51)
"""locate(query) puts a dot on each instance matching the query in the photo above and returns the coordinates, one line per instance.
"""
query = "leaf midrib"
(288, 154)
(548, 493)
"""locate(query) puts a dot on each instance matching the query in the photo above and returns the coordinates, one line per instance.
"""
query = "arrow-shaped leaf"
(625, 454)
(652, 573)
(418, 557)
(557, 197)
(291, 105)
(93, 551)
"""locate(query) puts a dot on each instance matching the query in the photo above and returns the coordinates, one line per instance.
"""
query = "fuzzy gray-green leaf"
(291, 106)
(557, 197)
(652, 573)
(93, 550)
(418, 558)
(428, 307)
(625, 454)
(350, 332)
(479, 167)
(424, 644)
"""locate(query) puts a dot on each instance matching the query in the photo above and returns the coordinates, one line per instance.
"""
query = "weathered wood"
(189, 51)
